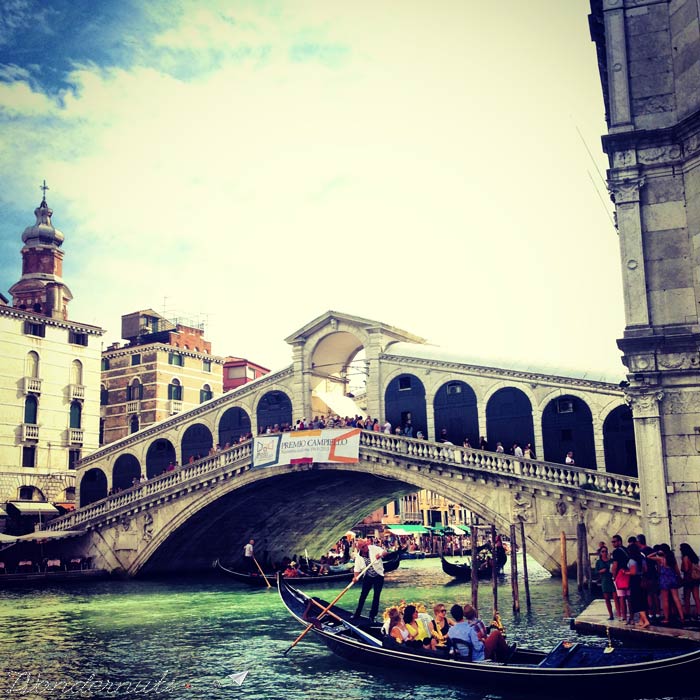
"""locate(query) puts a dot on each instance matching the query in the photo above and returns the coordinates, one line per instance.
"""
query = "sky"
(255, 164)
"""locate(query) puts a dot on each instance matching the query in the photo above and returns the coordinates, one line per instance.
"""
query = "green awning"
(453, 529)
(408, 529)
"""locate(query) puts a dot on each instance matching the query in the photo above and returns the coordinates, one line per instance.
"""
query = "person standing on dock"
(369, 560)
(618, 569)
(607, 587)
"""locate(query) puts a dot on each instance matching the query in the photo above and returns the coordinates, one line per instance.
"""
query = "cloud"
(425, 183)
(19, 15)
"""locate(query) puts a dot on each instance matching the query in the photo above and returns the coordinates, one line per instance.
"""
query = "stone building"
(649, 61)
(49, 382)
(165, 367)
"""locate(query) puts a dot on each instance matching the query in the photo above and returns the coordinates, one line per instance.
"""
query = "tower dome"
(43, 232)
(41, 288)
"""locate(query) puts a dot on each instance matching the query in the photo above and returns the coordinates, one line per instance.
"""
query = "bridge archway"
(196, 442)
(331, 359)
(509, 418)
(160, 454)
(234, 423)
(274, 408)
(93, 486)
(618, 442)
(125, 470)
(404, 398)
(567, 425)
(455, 407)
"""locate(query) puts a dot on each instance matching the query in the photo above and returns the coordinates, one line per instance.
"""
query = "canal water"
(186, 638)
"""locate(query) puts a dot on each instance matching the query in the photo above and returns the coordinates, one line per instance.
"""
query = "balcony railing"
(77, 391)
(30, 431)
(75, 436)
(174, 406)
(133, 406)
(32, 385)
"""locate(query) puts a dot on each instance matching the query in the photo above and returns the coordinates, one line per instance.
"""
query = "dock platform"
(594, 620)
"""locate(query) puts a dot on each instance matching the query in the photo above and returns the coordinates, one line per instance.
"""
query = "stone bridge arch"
(185, 519)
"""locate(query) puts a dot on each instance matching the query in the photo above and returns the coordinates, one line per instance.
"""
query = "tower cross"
(44, 187)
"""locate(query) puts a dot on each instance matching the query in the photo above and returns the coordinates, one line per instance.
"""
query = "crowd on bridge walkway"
(643, 583)
(404, 430)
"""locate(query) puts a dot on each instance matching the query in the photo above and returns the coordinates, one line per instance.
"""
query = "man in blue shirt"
(463, 637)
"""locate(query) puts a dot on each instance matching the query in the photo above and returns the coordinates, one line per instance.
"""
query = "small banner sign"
(307, 446)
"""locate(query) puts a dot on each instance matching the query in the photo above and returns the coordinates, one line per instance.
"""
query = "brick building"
(165, 367)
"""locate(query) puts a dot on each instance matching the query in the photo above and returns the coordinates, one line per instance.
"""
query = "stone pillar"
(301, 386)
(375, 399)
(537, 431)
(651, 463)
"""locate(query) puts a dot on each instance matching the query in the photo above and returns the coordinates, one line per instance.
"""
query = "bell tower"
(41, 288)
(649, 62)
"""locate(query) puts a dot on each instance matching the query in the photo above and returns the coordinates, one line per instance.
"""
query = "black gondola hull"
(567, 671)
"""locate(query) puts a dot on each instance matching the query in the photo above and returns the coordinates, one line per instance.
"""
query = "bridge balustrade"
(404, 447)
(207, 466)
(500, 463)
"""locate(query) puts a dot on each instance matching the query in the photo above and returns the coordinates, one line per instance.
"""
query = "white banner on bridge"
(306, 446)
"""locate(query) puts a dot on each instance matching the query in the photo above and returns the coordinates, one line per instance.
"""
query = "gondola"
(391, 563)
(570, 669)
(463, 572)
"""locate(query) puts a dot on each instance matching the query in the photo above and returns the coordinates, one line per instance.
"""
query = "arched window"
(175, 390)
(134, 392)
(76, 414)
(76, 372)
(205, 393)
(32, 365)
(31, 408)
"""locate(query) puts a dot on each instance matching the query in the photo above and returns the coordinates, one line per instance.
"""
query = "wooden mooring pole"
(564, 567)
(475, 576)
(514, 570)
(494, 573)
(526, 579)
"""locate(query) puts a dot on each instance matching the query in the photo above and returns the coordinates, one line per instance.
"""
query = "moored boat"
(391, 563)
(463, 572)
(570, 669)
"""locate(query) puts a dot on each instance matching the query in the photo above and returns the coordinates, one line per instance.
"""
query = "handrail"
(430, 453)
(501, 463)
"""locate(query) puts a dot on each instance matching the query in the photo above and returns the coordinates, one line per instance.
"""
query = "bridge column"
(537, 430)
(375, 381)
(481, 417)
(598, 445)
(301, 385)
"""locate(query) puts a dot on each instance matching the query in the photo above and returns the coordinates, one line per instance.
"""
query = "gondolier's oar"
(261, 573)
(328, 607)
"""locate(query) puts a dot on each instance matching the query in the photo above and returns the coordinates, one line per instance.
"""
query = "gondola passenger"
(440, 626)
(420, 637)
(463, 638)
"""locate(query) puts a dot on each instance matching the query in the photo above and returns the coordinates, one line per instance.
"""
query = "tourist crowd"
(643, 583)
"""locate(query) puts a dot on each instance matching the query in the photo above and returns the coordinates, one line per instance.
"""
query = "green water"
(183, 639)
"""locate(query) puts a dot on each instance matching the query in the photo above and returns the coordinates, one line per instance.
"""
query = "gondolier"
(373, 578)
(249, 557)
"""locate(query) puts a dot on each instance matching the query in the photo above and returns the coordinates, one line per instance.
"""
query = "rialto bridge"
(182, 517)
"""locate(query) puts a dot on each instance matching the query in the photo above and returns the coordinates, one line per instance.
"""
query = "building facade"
(165, 367)
(49, 381)
(239, 371)
(649, 62)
